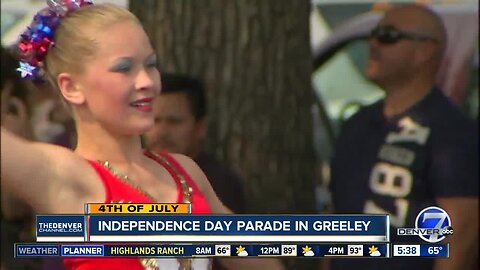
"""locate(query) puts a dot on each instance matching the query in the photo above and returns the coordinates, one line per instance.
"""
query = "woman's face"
(120, 81)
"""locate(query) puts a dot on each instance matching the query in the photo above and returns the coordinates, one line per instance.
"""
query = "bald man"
(411, 150)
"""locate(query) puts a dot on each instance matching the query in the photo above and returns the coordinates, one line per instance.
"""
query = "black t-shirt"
(225, 182)
(227, 185)
(401, 165)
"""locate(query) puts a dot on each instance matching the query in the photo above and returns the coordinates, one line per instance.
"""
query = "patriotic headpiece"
(37, 39)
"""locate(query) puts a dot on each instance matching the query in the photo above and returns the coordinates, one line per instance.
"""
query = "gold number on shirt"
(390, 180)
(393, 181)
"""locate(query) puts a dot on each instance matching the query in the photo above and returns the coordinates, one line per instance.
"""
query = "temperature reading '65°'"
(434, 250)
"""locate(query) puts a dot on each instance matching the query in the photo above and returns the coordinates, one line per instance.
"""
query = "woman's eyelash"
(122, 66)
(126, 65)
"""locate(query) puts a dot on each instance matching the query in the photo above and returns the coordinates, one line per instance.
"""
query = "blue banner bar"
(111, 225)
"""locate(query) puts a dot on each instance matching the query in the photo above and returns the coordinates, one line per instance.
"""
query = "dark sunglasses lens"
(386, 35)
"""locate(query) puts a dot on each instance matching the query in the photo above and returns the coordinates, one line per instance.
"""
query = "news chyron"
(432, 224)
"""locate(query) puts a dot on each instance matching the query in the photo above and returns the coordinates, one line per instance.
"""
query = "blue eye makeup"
(126, 64)
(122, 65)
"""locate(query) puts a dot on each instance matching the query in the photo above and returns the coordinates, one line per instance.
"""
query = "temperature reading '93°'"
(354, 250)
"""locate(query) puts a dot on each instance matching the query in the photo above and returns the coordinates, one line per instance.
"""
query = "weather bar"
(374, 250)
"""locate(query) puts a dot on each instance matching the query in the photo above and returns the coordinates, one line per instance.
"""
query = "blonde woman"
(101, 61)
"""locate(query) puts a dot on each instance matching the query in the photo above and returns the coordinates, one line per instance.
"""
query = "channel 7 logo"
(432, 225)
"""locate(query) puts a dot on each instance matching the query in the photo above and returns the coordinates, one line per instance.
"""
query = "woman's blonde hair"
(74, 37)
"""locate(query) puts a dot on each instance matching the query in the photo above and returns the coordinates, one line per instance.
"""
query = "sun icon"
(306, 249)
(373, 251)
(240, 249)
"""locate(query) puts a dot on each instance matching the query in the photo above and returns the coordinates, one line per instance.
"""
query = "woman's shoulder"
(201, 180)
(192, 169)
(178, 165)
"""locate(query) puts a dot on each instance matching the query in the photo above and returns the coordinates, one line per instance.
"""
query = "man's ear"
(425, 52)
(202, 127)
(70, 89)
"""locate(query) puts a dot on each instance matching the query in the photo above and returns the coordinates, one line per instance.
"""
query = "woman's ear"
(202, 128)
(70, 89)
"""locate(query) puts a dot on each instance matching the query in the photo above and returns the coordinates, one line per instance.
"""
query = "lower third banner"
(181, 228)
(238, 228)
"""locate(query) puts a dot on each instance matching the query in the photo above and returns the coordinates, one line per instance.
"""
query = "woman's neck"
(97, 143)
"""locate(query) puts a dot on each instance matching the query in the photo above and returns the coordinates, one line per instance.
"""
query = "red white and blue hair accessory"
(38, 37)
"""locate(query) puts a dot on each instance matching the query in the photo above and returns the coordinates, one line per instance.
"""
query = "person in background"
(33, 111)
(16, 217)
(17, 103)
(51, 120)
(411, 150)
(180, 113)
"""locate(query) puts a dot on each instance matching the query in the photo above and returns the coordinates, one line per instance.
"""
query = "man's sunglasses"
(388, 35)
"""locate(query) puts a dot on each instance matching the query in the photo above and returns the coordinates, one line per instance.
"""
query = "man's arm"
(454, 178)
(463, 213)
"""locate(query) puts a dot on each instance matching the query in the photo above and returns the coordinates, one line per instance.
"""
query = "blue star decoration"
(26, 69)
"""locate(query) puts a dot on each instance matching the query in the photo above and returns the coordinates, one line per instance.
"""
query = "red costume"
(117, 190)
